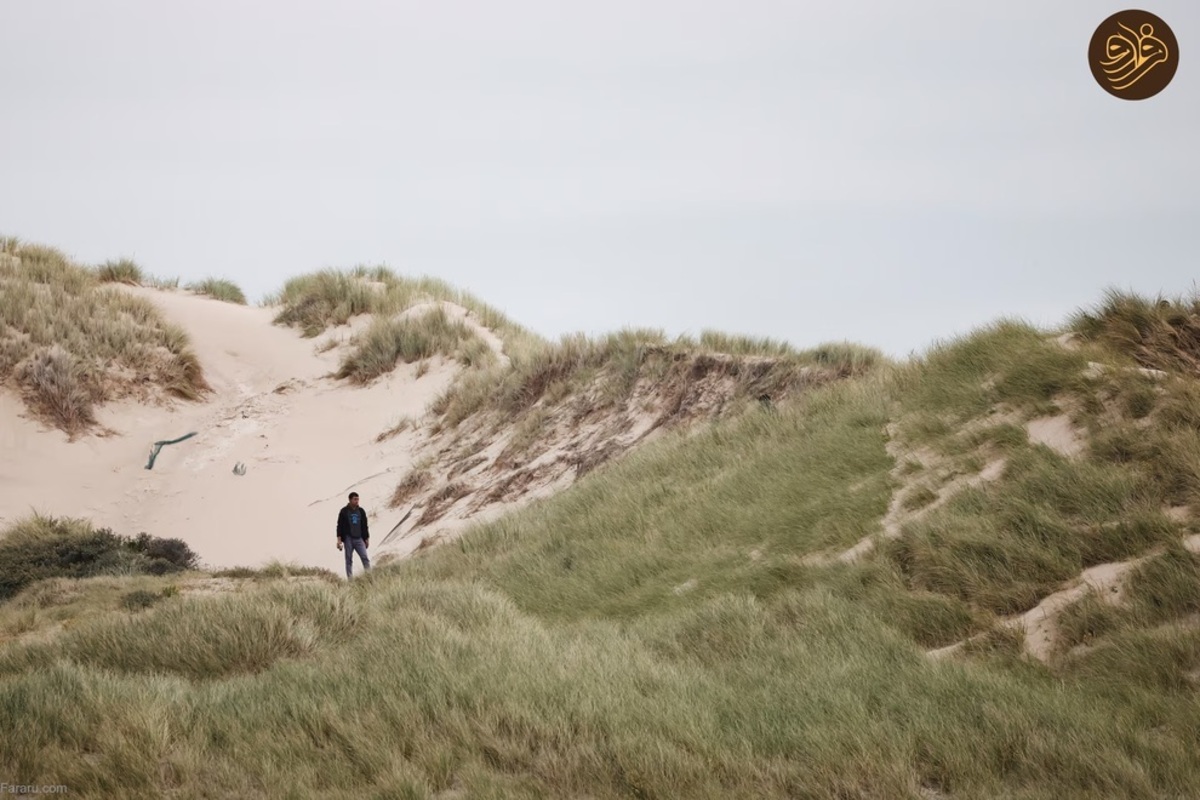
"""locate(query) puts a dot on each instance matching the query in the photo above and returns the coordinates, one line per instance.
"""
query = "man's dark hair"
(353, 495)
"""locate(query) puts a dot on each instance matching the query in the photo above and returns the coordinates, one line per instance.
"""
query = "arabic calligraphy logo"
(1133, 55)
(1130, 58)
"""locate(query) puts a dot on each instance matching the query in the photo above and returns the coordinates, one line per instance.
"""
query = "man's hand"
(366, 544)
(339, 544)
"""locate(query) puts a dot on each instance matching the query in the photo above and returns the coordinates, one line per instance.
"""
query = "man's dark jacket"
(343, 523)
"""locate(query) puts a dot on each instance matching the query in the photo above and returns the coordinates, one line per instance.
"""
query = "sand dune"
(306, 439)
(303, 437)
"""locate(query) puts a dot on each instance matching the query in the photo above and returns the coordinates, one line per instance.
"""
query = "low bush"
(43, 547)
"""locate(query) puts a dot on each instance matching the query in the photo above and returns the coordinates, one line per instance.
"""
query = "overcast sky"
(888, 173)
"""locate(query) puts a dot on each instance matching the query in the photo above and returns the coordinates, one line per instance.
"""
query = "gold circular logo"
(1133, 55)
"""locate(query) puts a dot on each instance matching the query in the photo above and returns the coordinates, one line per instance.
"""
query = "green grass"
(920, 498)
(219, 289)
(654, 631)
(71, 343)
(52, 605)
(1167, 587)
(1003, 547)
(1007, 362)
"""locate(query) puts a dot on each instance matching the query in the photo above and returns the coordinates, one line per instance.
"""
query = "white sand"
(303, 448)
(1057, 433)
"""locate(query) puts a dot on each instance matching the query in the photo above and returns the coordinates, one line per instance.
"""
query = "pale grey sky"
(881, 172)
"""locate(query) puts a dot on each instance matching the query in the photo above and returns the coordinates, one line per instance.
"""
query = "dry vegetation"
(411, 337)
(316, 301)
(605, 373)
(68, 342)
(219, 289)
(1163, 333)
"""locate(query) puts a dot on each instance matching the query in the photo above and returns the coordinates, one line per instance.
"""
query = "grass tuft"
(219, 289)
(1159, 333)
(122, 271)
(407, 339)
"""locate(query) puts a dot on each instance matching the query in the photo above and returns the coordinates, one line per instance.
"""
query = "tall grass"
(1159, 333)
(407, 339)
(656, 632)
(1149, 644)
(329, 297)
(1005, 546)
(71, 343)
(219, 289)
(122, 271)
(610, 366)
(553, 653)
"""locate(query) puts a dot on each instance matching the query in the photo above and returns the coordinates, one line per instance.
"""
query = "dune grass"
(121, 271)
(274, 570)
(316, 301)
(1005, 550)
(51, 605)
(1002, 548)
(71, 343)
(128, 272)
(155, 282)
(410, 338)
(536, 368)
(1159, 333)
(654, 631)
(608, 368)
(219, 289)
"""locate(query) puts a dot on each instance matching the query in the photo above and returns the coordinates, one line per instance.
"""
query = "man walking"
(352, 532)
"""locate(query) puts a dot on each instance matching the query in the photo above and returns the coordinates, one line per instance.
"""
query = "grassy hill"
(70, 341)
(757, 608)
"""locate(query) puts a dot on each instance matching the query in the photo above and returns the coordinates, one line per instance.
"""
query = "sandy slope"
(304, 438)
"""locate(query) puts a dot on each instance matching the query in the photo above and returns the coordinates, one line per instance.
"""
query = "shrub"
(44, 547)
(174, 552)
